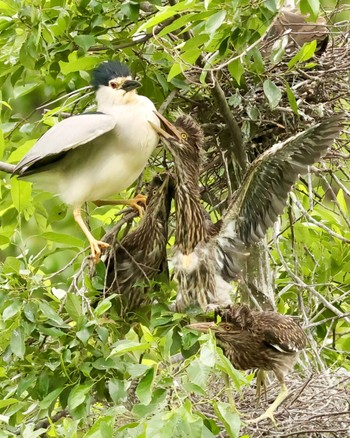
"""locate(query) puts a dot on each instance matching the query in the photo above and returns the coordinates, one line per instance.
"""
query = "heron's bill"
(202, 326)
(170, 129)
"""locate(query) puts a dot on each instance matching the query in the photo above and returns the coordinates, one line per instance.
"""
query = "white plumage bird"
(89, 157)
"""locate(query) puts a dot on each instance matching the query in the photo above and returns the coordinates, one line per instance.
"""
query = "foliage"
(71, 367)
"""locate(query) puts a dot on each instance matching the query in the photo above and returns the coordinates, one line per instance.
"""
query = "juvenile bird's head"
(113, 83)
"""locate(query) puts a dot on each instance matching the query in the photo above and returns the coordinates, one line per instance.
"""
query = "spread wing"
(67, 134)
(263, 194)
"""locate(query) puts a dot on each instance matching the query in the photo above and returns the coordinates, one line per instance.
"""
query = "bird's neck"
(107, 98)
(191, 228)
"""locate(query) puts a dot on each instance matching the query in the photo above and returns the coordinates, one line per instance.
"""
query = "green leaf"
(7, 402)
(125, 346)
(175, 70)
(116, 389)
(11, 310)
(165, 13)
(85, 41)
(310, 7)
(78, 64)
(278, 49)
(67, 239)
(198, 374)
(272, 92)
(103, 428)
(12, 265)
(144, 388)
(50, 313)
(84, 335)
(6, 8)
(103, 306)
(21, 194)
(17, 343)
(22, 90)
(158, 397)
(305, 53)
(230, 419)
(214, 22)
(73, 306)
(342, 201)
(236, 70)
(47, 401)
(19, 152)
(291, 99)
(238, 379)
(78, 395)
(137, 370)
(184, 19)
(208, 353)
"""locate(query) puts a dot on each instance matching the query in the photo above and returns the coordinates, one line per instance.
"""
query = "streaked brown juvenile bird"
(267, 341)
(300, 29)
(138, 258)
(204, 261)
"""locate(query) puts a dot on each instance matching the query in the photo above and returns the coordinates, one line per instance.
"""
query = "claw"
(97, 247)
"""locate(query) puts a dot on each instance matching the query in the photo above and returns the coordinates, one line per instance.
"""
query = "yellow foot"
(266, 415)
(135, 203)
(97, 247)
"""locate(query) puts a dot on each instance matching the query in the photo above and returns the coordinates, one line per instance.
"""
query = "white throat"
(107, 97)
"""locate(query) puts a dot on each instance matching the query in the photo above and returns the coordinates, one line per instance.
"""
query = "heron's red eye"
(113, 85)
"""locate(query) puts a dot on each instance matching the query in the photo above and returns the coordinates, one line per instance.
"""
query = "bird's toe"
(97, 247)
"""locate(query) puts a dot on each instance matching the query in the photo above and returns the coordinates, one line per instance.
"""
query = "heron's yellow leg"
(96, 245)
(270, 411)
(260, 382)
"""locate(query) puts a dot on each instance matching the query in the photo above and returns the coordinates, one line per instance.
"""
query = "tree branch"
(6, 167)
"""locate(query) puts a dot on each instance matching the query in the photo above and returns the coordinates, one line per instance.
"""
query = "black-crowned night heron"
(204, 263)
(92, 156)
(267, 341)
(140, 255)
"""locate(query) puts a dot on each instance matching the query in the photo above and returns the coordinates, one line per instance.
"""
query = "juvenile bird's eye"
(184, 136)
(227, 327)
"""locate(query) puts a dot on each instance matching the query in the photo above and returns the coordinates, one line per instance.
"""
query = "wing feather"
(67, 134)
(263, 194)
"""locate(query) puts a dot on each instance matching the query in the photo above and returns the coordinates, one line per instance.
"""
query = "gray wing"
(264, 191)
(67, 134)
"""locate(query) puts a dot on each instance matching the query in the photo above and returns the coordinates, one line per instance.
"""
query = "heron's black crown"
(107, 71)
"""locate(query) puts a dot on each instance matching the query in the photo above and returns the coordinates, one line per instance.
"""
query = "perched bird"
(139, 257)
(267, 341)
(300, 30)
(206, 261)
(91, 156)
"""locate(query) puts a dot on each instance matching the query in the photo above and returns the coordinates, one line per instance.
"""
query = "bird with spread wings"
(205, 261)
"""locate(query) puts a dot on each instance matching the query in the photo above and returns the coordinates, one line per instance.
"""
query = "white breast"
(114, 160)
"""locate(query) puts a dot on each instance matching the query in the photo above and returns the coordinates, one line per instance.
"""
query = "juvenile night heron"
(205, 262)
(300, 30)
(267, 341)
(139, 257)
(91, 156)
